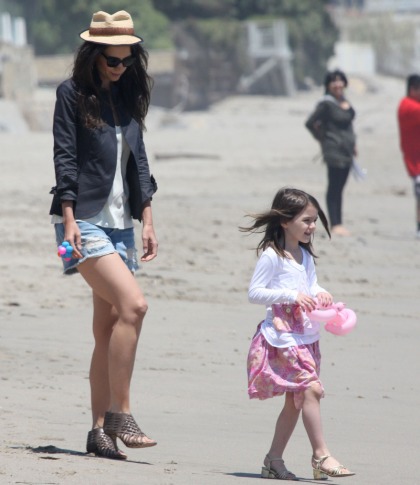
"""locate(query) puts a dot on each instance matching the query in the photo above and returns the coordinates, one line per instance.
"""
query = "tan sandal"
(124, 427)
(282, 474)
(321, 473)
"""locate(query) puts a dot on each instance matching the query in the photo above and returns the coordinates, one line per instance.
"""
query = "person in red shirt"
(409, 128)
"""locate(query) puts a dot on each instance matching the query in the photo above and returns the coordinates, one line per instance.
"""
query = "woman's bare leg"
(104, 318)
(111, 280)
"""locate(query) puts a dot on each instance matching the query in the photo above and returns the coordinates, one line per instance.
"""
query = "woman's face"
(336, 88)
(112, 74)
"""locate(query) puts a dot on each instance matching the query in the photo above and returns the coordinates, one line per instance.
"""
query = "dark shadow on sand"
(299, 479)
(54, 450)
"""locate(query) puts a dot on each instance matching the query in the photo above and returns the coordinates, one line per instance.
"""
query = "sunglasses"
(116, 61)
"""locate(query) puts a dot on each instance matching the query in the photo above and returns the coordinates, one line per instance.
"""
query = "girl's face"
(301, 227)
(111, 55)
(336, 88)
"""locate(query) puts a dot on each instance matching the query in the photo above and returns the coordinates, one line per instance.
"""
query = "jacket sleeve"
(147, 182)
(316, 121)
(65, 142)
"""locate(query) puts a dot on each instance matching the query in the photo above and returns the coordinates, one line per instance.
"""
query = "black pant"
(337, 178)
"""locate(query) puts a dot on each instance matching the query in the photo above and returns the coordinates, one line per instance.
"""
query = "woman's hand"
(73, 237)
(325, 299)
(71, 229)
(150, 244)
(306, 302)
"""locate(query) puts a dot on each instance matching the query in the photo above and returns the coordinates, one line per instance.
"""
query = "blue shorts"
(100, 241)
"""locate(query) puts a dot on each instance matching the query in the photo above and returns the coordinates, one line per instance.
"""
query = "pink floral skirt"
(272, 371)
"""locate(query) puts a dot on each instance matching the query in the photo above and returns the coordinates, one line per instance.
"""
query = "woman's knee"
(135, 311)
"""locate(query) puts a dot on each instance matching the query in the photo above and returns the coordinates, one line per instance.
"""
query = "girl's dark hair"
(134, 85)
(287, 204)
(333, 76)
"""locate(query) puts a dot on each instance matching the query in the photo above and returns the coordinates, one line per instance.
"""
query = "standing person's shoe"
(102, 445)
(124, 427)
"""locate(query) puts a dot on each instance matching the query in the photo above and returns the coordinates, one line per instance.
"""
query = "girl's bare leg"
(112, 282)
(311, 414)
(285, 426)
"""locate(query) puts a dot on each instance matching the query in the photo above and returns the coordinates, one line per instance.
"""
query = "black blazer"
(85, 159)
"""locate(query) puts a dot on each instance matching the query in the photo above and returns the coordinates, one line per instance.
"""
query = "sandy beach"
(189, 388)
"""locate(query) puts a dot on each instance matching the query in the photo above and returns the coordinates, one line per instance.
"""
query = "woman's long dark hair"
(287, 204)
(134, 85)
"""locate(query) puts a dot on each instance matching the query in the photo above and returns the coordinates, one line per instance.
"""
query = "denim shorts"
(100, 241)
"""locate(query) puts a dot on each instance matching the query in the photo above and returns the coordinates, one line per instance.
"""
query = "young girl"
(284, 357)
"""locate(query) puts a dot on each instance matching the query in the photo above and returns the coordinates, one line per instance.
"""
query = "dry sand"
(189, 386)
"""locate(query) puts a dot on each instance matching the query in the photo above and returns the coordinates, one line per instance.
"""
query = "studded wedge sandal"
(124, 427)
(102, 445)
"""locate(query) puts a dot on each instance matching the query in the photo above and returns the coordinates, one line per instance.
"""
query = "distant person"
(284, 356)
(409, 129)
(332, 125)
(103, 186)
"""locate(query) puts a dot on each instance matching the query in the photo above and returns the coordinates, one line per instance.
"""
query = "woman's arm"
(71, 229)
(65, 161)
(65, 142)
(316, 122)
(150, 243)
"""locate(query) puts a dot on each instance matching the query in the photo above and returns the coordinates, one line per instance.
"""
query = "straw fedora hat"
(115, 29)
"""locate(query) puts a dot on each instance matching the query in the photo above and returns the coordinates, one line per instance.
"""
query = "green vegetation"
(53, 25)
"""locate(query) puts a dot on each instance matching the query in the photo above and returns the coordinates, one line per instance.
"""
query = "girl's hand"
(150, 244)
(324, 299)
(306, 302)
(73, 237)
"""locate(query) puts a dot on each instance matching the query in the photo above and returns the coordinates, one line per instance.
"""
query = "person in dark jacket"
(332, 125)
(103, 184)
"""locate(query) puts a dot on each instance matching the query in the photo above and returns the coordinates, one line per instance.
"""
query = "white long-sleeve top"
(279, 280)
(116, 212)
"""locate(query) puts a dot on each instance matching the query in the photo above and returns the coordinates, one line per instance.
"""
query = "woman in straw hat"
(103, 183)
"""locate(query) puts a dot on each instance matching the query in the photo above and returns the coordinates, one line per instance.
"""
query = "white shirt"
(116, 211)
(279, 280)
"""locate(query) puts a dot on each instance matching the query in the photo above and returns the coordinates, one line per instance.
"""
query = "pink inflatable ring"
(338, 319)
